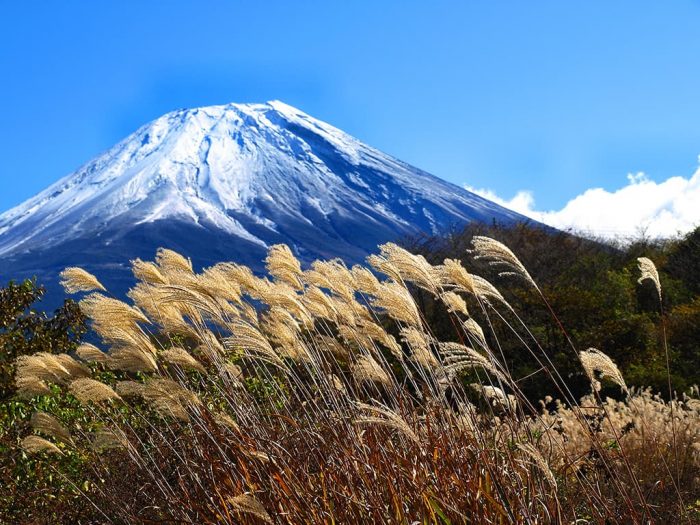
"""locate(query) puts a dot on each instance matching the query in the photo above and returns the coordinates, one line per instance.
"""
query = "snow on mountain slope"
(227, 181)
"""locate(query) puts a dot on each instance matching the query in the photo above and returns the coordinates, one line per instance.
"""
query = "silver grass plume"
(419, 343)
(233, 374)
(367, 370)
(472, 328)
(36, 445)
(485, 291)
(333, 346)
(247, 504)
(594, 360)
(253, 344)
(496, 396)
(172, 262)
(75, 280)
(131, 358)
(91, 354)
(108, 439)
(215, 282)
(499, 255)
(318, 304)
(648, 271)
(49, 426)
(152, 300)
(105, 311)
(88, 390)
(398, 303)
(536, 456)
(401, 265)
(364, 280)
(45, 368)
(453, 273)
(129, 389)
(382, 415)
(30, 386)
(282, 295)
(458, 357)
(332, 275)
(180, 357)
(147, 272)
(283, 266)
(379, 335)
(227, 421)
(169, 398)
(75, 369)
(454, 302)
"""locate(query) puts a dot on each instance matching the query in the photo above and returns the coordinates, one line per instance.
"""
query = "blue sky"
(550, 97)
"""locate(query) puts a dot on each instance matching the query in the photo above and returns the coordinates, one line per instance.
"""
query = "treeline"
(592, 288)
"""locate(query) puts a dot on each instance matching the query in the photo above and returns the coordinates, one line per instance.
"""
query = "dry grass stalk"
(367, 370)
(403, 266)
(132, 359)
(383, 415)
(171, 262)
(147, 272)
(182, 358)
(499, 255)
(594, 360)
(282, 265)
(170, 398)
(649, 272)
(50, 426)
(455, 303)
(397, 301)
(36, 445)
(88, 390)
(334, 352)
(91, 354)
(247, 504)
(75, 280)
(108, 439)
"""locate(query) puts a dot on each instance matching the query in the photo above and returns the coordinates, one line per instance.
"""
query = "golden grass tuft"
(49, 426)
(75, 280)
(37, 445)
(88, 390)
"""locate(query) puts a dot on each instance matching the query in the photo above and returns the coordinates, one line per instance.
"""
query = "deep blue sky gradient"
(555, 97)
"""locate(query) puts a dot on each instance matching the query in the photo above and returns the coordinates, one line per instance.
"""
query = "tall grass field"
(324, 396)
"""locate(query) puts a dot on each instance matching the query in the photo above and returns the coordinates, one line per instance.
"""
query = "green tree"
(24, 330)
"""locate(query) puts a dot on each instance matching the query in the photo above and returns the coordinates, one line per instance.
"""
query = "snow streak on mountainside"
(224, 182)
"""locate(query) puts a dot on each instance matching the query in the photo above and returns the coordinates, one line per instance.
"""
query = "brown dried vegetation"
(322, 396)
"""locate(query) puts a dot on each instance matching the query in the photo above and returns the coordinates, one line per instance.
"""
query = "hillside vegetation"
(412, 390)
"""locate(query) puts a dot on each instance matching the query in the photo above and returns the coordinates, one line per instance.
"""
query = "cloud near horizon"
(664, 209)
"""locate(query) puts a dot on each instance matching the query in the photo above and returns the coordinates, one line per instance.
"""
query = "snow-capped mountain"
(223, 183)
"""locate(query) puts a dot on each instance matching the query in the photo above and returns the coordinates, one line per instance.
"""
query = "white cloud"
(662, 209)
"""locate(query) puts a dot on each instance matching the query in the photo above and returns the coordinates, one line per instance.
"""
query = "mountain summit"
(223, 183)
